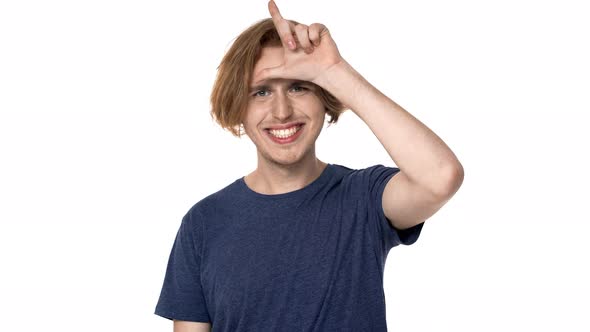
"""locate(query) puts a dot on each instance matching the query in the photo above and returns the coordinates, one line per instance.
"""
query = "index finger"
(282, 26)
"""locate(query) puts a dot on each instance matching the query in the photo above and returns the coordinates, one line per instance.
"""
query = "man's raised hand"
(319, 50)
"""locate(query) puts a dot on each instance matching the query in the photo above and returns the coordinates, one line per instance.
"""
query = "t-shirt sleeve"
(182, 296)
(374, 180)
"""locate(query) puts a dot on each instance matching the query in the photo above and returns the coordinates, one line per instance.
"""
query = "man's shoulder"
(342, 170)
(361, 171)
(221, 197)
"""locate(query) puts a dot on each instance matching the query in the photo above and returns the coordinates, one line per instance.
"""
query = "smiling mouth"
(285, 136)
(284, 133)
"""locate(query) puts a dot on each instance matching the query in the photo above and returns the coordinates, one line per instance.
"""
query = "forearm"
(414, 148)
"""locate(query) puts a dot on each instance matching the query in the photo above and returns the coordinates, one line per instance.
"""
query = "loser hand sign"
(308, 51)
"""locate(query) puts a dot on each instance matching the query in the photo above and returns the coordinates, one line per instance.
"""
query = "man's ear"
(242, 130)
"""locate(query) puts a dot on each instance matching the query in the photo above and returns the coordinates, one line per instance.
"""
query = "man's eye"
(259, 91)
(299, 87)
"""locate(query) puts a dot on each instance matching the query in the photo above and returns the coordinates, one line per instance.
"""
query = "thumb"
(270, 73)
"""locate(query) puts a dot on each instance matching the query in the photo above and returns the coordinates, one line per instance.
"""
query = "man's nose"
(281, 107)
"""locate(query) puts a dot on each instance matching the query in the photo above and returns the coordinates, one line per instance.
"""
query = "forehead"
(269, 57)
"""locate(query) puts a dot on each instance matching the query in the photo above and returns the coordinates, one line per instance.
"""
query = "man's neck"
(272, 179)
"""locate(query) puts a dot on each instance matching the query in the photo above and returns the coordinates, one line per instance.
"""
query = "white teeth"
(284, 133)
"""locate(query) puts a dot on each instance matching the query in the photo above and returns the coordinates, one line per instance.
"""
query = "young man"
(300, 244)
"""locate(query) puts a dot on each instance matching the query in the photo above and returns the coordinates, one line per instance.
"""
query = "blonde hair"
(229, 96)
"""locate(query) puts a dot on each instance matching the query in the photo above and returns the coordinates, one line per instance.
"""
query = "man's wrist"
(342, 81)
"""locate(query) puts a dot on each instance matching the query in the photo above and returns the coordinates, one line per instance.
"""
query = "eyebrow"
(264, 85)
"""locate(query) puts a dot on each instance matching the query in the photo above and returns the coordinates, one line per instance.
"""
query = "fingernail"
(291, 44)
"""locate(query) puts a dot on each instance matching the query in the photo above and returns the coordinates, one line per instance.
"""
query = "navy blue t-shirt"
(307, 260)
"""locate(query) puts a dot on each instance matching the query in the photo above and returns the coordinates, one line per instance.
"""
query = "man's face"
(278, 102)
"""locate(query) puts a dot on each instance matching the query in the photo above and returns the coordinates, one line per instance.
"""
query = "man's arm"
(407, 204)
(185, 326)
(430, 173)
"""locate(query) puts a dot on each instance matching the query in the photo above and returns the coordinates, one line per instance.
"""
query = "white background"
(106, 142)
